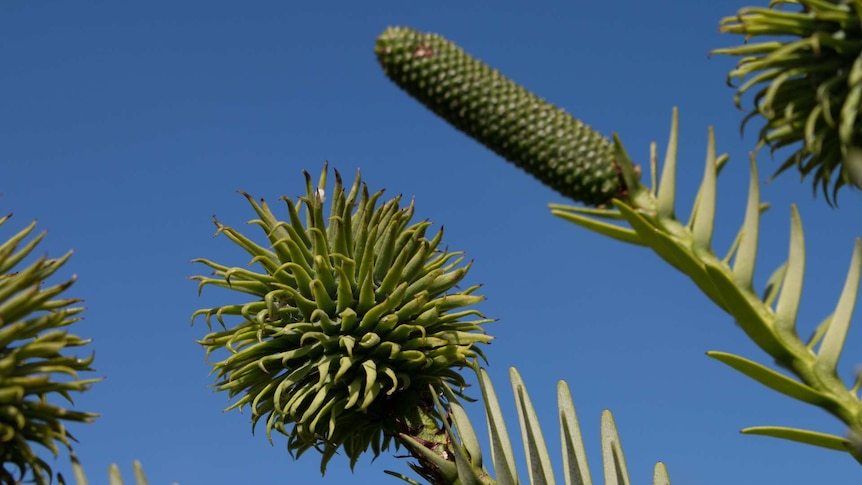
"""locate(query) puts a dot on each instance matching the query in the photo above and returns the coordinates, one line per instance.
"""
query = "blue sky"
(125, 127)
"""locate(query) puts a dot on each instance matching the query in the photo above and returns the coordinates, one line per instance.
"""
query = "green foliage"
(33, 352)
(540, 138)
(439, 74)
(467, 467)
(114, 476)
(351, 322)
(356, 334)
(807, 77)
(768, 319)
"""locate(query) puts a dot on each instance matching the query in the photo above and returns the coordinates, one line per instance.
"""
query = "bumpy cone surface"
(545, 141)
(353, 318)
(32, 342)
(807, 78)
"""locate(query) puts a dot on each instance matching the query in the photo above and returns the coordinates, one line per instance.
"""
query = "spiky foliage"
(468, 468)
(806, 75)
(114, 475)
(33, 353)
(768, 319)
(351, 318)
(540, 138)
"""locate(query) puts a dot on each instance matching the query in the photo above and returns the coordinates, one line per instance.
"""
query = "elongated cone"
(806, 75)
(538, 137)
(33, 344)
(348, 322)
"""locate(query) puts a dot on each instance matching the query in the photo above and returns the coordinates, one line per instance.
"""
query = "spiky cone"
(538, 137)
(349, 319)
(33, 339)
(806, 76)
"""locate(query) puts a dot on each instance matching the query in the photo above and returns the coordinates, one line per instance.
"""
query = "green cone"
(543, 140)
